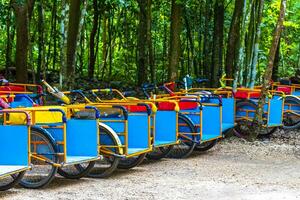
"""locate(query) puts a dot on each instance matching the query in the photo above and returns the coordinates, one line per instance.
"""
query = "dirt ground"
(234, 169)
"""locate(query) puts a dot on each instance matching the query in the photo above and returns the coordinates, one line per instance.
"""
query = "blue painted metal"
(228, 113)
(165, 128)
(211, 123)
(13, 149)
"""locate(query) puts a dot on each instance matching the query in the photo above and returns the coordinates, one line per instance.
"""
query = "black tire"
(242, 127)
(205, 146)
(128, 163)
(185, 146)
(291, 121)
(109, 163)
(10, 181)
(73, 172)
(34, 178)
(159, 153)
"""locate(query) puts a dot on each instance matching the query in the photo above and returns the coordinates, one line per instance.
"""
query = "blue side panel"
(138, 137)
(296, 93)
(118, 127)
(275, 115)
(14, 145)
(194, 116)
(58, 135)
(165, 128)
(211, 122)
(82, 138)
(242, 112)
(228, 113)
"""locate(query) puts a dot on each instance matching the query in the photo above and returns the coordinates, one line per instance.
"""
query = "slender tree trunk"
(258, 119)
(275, 74)
(73, 30)
(142, 61)
(63, 33)
(93, 34)
(260, 6)
(21, 12)
(41, 42)
(149, 42)
(9, 38)
(233, 44)
(175, 41)
(217, 56)
(207, 44)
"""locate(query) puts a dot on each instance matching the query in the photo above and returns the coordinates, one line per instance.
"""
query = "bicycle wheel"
(109, 142)
(128, 163)
(205, 146)
(10, 181)
(186, 142)
(73, 172)
(242, 129)
(159, 152)
(41, 173)
(291, 120)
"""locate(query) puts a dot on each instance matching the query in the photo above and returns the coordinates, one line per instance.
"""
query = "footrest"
(209, 137)
(135, 150)
(11, 169)
(163, 143)
(71, 160)
(226, 126)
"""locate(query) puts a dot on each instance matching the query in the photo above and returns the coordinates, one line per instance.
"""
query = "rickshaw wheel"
(73, 172)
(36, 177)
(290, 120)
(11, 182)
(205, 146)
(242, 128)
(159, 153)
(128, 163)
(108, 164)
(185, 146)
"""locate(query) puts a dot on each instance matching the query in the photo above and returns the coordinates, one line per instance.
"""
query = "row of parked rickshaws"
(92, 133)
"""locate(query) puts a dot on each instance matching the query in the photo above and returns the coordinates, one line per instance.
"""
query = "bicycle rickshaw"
(14, 150)
(291, 119)
(57, 142)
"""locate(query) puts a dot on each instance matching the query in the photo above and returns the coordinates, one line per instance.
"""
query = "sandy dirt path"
(232, 170)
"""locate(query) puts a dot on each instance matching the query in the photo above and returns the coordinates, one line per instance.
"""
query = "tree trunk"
(93, 34)
(142, 63)
(217, 56)
(40, 62)
(260, 6)
(207, 43)
(233, 44)
(73, 29)
(21, 12)
(149, 42)
(63, 33)
(9, 39)
(275, 74)
(175, 31)
(258, 119)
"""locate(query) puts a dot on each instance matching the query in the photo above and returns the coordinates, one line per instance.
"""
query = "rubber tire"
(51, 175)
(208, 145)
(238, 132)
(128, 163)
(157, 156)
(114, 164)
(82, 171)
(184, 154)
(295, 101)
(16, 178)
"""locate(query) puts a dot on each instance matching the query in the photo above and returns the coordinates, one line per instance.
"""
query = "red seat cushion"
(188, 105)
(246, 94)
(165, 106)
(13, 88)
(286, 90)
(136, 108)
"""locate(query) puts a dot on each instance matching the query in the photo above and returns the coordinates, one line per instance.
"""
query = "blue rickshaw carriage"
(167, 123)
(291, 119)
(246, 106)
(57, 142)
(14, 150)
